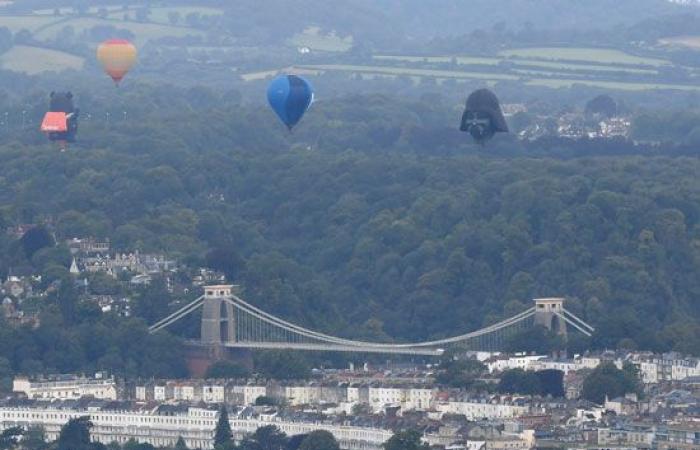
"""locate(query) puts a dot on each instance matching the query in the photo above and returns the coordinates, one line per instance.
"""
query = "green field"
(581, 67)
(52, 11)
(315, 39)
(464, 60)
(405, 71)
(142, 31)
(557, 83)
(255, 76)
(31, 23)
(161, 15)
(591, 55)
(480, 61)
(33, 60)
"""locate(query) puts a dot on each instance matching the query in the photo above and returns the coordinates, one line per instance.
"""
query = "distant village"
(92, 256)
(601, 119)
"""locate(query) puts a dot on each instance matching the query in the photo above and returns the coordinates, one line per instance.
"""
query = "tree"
(34, 438)
(180, 444)
(406, 440)
(6, 374)
(603, 105)
(23, 37)
(227, 369)
(142, 14)
(135, 445)
(361, 409)
(281, 365)
(551, 382)
(35, 239)
(174, 17)
(10, 437)
(264, 400)
(608, 380)
(460, 373)
(319, 440)
(270, 438)
(519, 381)
(295, 441)
(535, 339)
(225, 259)
(223, 433)
(75, 435)
(153, 302)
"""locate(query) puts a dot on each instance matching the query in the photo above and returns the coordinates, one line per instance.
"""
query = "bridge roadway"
(326, 347)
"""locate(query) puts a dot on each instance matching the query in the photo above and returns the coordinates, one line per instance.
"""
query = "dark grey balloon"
(482, 117)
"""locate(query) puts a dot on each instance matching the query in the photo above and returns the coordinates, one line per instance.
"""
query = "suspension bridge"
(229, 321)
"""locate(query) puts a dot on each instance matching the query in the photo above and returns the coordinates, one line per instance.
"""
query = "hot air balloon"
(117, 57)
(482, 116)
(290, 96)
(60, 123)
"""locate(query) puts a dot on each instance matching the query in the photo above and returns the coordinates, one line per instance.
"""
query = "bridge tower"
(218, 316)
(549, 313)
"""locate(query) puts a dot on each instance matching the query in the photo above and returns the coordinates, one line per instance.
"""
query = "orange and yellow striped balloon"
(117, 57)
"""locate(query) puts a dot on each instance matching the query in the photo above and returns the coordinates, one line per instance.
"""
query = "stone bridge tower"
(549, 313)
(218, 318)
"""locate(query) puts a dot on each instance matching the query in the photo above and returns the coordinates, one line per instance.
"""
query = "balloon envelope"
(117, 57)
(290, 96)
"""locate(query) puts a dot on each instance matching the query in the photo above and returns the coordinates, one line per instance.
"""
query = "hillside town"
(363, 407)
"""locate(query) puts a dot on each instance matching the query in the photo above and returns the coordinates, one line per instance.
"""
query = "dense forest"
(376, 219)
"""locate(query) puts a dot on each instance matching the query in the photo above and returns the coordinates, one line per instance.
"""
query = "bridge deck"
(329, 348)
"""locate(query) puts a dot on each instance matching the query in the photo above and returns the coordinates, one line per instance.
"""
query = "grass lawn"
(591, 55)
(33, 60)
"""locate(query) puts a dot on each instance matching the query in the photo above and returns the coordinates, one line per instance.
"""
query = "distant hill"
(419, 19)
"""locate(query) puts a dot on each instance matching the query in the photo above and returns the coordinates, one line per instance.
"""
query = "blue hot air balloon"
(290, 96)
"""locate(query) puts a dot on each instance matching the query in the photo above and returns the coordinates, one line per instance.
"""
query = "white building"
(352, 394)
(160, 427)
(667, 367)
(183, 392)
(380, 397)
(474, 410)
(67, 388)
(504, 363)
(248, 393)
(349, 437)
(418, 399)
(213, 393)
(301, 394)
